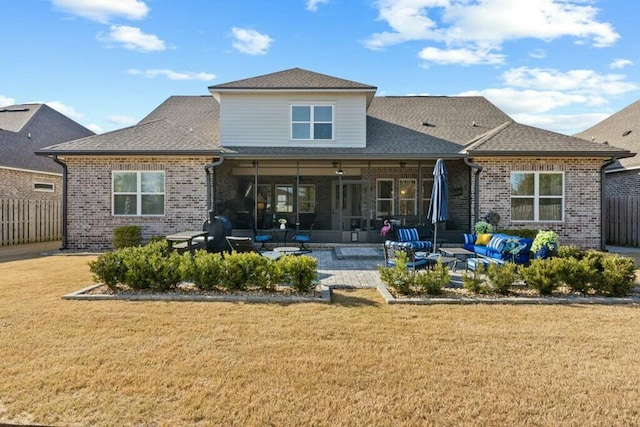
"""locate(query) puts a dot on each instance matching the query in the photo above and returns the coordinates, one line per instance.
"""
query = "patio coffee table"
(288, 250)
(459, 253)
(432, 258)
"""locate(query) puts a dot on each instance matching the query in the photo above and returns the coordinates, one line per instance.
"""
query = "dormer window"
(312, 122)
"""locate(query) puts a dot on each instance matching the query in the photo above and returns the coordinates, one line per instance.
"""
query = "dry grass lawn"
(355, 362)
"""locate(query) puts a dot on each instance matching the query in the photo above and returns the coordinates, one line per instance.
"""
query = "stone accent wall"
(582, 210)
(17, 184)
(90, 220)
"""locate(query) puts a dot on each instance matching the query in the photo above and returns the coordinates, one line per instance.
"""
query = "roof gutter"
(476, 196)
(64, 200)
(209, 168)
(603, 211)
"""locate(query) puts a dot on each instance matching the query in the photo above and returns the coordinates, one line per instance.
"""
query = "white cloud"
(514, 101)
(67, 110)
(538, 53)
(576, 81)
(569, 124)
(5, 101)
(121, 120)
(95, 128)
(172, 75)
(104, 10)
(460, 56)
(132, 38)
(620, 63)
(250, 41)
(312, 5)
(484, 25)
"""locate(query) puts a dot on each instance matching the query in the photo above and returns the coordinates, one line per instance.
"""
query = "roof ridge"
(482, 138)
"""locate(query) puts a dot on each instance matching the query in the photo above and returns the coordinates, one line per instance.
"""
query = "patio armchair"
(303, 237)
(262, 238)
(392, 249)
(245, 244)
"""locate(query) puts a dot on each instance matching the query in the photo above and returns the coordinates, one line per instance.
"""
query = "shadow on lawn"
(350, 298)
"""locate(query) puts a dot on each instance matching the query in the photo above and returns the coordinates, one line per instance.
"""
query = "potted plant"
(545, 244)
(483, 227)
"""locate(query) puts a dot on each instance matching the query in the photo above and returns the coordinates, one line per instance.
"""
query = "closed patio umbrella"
(438, 209)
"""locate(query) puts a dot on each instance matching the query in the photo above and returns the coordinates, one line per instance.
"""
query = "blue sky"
(561, 65)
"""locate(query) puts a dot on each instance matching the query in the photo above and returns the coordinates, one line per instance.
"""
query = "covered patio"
(346, 200)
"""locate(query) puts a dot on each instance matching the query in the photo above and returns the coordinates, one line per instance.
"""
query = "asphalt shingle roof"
(622, 130)
(26, 128)
(294, 78)
(521, 139)
(420, 126)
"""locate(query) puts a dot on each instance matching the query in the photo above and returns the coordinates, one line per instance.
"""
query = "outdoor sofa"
(499, 247)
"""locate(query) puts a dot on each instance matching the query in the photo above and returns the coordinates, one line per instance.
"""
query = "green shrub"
(237, 271)
(474, 281)
(594, 261)
(397, 277)
(618, 275)
(541, 275)
(570, 251)
(152, 267)
(576, 273)
(432, 281)
(206, 270)
(108, 269)
(502, 277)
(300, 271)
(127, 236)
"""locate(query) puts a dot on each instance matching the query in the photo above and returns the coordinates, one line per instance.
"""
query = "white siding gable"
(264, 120)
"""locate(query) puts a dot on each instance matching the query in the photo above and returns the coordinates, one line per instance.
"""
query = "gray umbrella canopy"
(438, 209)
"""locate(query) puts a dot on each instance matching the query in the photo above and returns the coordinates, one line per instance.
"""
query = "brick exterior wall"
(582, 209)
(17, 184)
(90, 222)
(626, 183)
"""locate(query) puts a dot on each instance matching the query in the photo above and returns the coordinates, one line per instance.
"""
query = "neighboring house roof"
(534, 141)
(622, 130)
(26, 128)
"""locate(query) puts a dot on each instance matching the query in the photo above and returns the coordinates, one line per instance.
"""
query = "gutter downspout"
(476, 196)
(210, 202)
(64, 201)
(603, 211)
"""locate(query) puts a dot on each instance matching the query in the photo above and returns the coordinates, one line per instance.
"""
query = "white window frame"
(138, 193)
(379, 199)
(408, 199)
(536, 196)
(289, 199)
(312, 121)
(48, 187)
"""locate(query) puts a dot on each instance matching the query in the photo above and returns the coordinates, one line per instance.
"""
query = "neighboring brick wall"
(90, 222)
(582, 212)
(17, 184)
(626, 183)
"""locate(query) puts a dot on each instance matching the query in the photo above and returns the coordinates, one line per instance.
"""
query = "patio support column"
(255, 195)
(603, 209)
(476, 196)
(297, 194)
(419, 192)
(211, 201)
(64, 201)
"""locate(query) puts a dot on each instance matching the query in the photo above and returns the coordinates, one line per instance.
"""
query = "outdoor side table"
(460, 253)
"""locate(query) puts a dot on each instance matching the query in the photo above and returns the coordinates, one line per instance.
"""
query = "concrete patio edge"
(82, 295)
(578, 300)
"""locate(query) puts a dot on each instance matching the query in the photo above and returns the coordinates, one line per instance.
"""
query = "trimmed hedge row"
(155, 268)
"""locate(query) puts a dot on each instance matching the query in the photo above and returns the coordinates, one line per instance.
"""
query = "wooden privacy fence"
(30, 221)
(623, 221)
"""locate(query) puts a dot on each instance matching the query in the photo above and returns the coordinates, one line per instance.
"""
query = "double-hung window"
(537, 196)
(384, 198)
(138, 193)
(307, 198)
(312, 122)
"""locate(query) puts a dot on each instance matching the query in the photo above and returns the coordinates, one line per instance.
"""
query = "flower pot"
(544, 253)
(282, 226)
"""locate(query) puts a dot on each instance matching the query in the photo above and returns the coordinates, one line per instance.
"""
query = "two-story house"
(316, 149)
